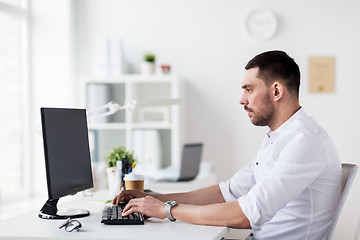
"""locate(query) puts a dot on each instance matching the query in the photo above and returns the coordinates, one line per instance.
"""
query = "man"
(291, 188)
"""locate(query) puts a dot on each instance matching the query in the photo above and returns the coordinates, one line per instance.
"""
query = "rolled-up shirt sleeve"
(239, 184)
(294, 169)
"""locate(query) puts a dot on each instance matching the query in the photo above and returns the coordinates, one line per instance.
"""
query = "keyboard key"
(112, 215)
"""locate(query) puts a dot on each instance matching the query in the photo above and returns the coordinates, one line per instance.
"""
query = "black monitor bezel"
(56, 195)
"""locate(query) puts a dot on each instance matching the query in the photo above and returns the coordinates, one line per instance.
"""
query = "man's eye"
(248, 90)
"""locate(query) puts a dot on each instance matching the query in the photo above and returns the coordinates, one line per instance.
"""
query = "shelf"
(131, 78)
(107, 126)
(160, 124)
(151, 126)
(123, 126)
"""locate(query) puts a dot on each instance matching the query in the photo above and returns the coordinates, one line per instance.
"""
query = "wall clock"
(260, 23)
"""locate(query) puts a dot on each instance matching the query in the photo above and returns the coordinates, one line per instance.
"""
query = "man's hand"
(127, 195)
(149, 206)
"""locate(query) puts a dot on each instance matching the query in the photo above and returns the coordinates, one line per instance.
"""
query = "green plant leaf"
(118, 153)
(149, 57)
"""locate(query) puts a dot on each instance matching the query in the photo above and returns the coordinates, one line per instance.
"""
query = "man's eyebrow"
(246, 86)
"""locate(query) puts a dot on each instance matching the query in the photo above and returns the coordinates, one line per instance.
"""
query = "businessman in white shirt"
(291, 188)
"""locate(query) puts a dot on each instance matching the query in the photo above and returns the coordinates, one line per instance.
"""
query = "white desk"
(30, 226)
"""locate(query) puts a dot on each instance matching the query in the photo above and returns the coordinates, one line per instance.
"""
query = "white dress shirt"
(291, 188)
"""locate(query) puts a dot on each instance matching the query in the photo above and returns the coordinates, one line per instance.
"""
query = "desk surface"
(30, 226)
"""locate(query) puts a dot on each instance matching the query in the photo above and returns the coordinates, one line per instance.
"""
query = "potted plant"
(148, 65)
(118, 154)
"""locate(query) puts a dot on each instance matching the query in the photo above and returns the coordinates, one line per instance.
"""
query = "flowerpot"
(147, 68)
(113, 182)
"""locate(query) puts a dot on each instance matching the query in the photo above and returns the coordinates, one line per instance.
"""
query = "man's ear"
(278, 90)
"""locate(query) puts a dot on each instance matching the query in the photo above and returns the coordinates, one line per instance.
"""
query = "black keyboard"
(112, 215)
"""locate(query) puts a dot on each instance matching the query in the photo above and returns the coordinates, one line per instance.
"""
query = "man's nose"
(243, 100)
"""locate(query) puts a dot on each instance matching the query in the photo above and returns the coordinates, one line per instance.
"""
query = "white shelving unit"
(122, 127)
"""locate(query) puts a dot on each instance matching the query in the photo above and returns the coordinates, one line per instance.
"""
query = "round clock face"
(261, 23)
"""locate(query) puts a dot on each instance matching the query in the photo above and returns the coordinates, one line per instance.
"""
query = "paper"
(321, 74)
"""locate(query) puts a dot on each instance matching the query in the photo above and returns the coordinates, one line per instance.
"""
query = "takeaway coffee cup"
(134, 181)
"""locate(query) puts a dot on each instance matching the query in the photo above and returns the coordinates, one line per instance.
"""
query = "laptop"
(188, 169)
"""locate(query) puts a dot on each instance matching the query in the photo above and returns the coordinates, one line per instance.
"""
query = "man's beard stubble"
(265, 116)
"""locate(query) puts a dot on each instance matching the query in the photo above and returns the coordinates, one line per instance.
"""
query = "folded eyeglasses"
(71, 225)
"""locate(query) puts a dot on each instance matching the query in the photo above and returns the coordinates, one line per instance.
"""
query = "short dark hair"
(277, 65)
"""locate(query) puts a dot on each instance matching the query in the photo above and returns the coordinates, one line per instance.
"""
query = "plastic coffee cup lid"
(134, 177)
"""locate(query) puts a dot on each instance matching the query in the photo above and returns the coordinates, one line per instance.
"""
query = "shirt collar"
(274, 134)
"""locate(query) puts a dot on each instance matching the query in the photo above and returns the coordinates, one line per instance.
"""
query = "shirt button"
(257, 163)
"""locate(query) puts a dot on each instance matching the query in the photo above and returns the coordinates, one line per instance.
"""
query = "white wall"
(205, 44)
(52, 73)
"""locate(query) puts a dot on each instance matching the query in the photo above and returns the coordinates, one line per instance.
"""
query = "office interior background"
(205, 43)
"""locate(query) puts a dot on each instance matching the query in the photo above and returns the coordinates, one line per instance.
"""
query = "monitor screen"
(66, 148)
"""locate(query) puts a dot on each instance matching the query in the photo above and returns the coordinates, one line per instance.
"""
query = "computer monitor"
(67, 158)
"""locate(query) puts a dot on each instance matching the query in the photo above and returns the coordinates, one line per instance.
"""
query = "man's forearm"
(227, 214)
(203, 196)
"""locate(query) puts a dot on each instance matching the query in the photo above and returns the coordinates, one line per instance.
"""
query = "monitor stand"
(50, 211)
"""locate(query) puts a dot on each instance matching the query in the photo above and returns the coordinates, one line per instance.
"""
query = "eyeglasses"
(71, 225)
